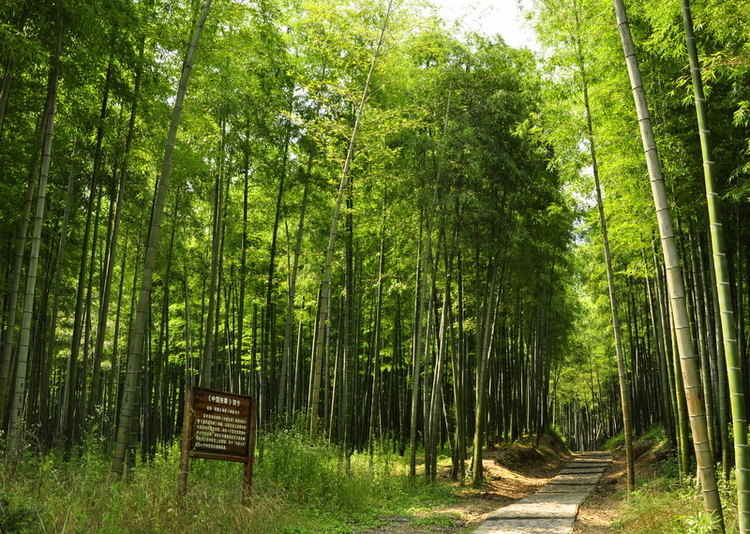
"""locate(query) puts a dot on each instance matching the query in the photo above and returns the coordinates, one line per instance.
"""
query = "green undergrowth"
(669, 505)
(528, 451)
(665, 502)
(299, 487)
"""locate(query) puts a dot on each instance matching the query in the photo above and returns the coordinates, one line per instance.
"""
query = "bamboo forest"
(411, 244)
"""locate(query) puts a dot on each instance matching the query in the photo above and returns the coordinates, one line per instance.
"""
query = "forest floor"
(600, 509)
(513, 472)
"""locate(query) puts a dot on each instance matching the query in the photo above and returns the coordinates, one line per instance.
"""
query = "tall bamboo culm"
(675, 285)
(18, 399)
(731, 352)
(621, 371)
(137, 336)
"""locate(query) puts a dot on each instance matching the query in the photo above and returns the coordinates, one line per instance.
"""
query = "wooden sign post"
(221, 426)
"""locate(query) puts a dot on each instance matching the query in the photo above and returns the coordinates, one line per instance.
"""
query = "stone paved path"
(553, 509)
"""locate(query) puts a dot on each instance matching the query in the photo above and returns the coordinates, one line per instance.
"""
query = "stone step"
(553, 509)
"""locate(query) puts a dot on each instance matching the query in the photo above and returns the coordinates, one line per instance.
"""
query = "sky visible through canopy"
(490, 17)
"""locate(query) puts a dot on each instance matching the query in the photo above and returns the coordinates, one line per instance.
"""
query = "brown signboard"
(218, 425)
(221, 425)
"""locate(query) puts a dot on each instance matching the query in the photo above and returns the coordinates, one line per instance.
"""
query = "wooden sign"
(221, 426)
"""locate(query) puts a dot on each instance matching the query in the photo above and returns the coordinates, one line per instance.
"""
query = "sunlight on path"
(553, 509)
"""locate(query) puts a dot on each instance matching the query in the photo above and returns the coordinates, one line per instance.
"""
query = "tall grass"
(669, 503)
(670, 506)
(299, 487)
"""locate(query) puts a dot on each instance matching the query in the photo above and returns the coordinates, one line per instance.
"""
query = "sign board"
(221, 425)
(218, 425)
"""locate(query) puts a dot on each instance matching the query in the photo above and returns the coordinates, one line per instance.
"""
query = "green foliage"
(652, 438)
(436, 520)
(306, 471)
(614, 442)
(299, 486)
(557, 438)
(666, 506)
(653, 435)
(702, 523)
(15, 517)
(672, 504)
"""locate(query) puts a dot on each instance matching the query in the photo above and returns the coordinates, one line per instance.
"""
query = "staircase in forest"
(553, 509)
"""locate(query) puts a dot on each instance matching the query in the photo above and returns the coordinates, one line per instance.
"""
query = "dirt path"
(599, 510)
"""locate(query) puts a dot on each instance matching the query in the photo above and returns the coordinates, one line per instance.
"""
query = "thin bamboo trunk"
(702, 341)
(348, 339)
(420, 296)
(158, 407)
(458, 363)
(269, 324)
(51, 333)
(326, 283)
(139, 328)
(75, 377)
(114, 375)
(109, 271)
(83, 384)
(15, 287)
(718, 369)
(375, 389)
(285, 385)
(239, 385)
(16, 430)
(426, 372)
(5, 91)
(660, 352)
(108, 263)
(437, 382)
(483, 354)
(621, 371)
(208, 361)
(677, 392)
(724, 406)
(189, 358)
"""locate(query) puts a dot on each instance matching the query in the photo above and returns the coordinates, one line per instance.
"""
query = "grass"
(667, 503)
(300, 487)
(669, 506)
(437, 520)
